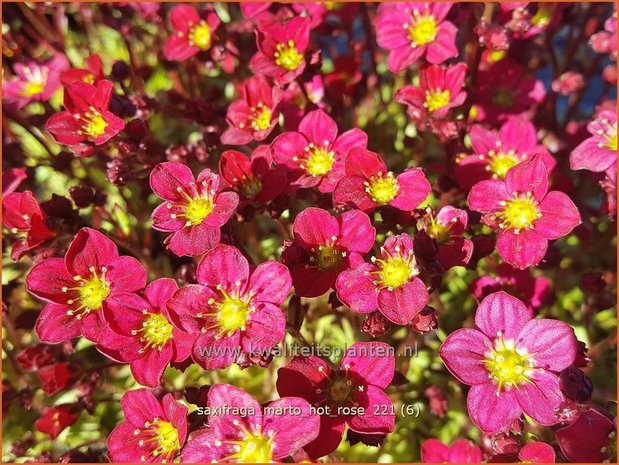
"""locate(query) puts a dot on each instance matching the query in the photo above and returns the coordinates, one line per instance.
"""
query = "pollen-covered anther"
(519, 213)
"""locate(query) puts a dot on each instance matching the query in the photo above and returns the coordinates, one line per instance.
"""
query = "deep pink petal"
(444, 46)
(356, 232)
(126, 274)
(589, 156)
(301, 377)
(414, 188)
(158, 292)
(148, 370)
(553, 342)
(140, 406)
(522, 250)
(194, 240)
(376, 418)
(542, 398)
(318, 127)
(350, 192)
(329, 437)
(89, 248)
(54, 325)
(364, 163)
(266, 327)
(212, 352)
(315, 226)
(286, 147)
(402, 304)
(501, 312)
(224, 265)
(463, 353)
(529, 176)
(434, 451)
(47, 279)
(537, 452)
(167, 178)
(486, 196)
(374, 362)
(354, 138)
(182, 16)
(270, 282)
(464, 451)
(224, 207)
(221, 395)
(492, 413)
(291, 431)
(355, 289)
(559, 216)
(177, 47)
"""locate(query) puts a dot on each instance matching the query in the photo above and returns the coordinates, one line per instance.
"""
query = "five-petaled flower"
(233, 309)
(446, 228)
(22, 215)
(191, 33)
(87, 119)
(410, 30)
(139, 331)
(366, 369)
(324, 246)
(153, 430)
(389, 284)
(315, 154)
(257, 436)
(77, 286)
(254, 116)
(511, 363)
(281, 49)
(598, 152)
(194, 209)
(368, 184)
(523, 212)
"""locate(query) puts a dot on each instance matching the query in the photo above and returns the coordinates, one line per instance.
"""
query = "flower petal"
(559, 216)
(374, 362)
(489, 411)
(224, 265)
(291, 432)
(501, 313)
(463, 353)
(553, 342)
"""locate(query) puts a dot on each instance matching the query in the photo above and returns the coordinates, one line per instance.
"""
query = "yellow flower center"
(91, 292)
(438, 231)
(93, 124)
(318, 160)
(200, 36)
(197, 209)
(33, 88)
(507, 365)
(88, 78)
(157, 331)
(164, 435)
(382, 189)
(328, 257)
(287, 56)
(496, 55)
(333, 5)
(423, 30)
(501, 162)
(255, 448)
(612, 141)
(503, 97)
(609, 133)
(521, 212)
(231, 312)
(543, 16)
(394, 271)
(260, 118)
(437, 99)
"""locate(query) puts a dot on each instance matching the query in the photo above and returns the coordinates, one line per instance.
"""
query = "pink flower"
(598, 152)
(447, 229)
(191, 33)
(153, 430)
(281, 49)
(324, 246)
(253, 178)
(366, 369)
(77, 287)
(255, 115)
(519, 283)
(504, 89)
(257, 436)
(498, 151)
(524, 214)
(55, 419)
(368, 184)
(439, 90)
(390, 283)
(194, 209)
(568, 83)
(606, 41)
(253, 9)
(22, 216)
(140, 331)
(91, 75)
(233, 309)
(412, 29)
(87, 119)
(537, 452)
(461, 451)
(34, 81)
(12, 178)
(316, 153)
(511, 363)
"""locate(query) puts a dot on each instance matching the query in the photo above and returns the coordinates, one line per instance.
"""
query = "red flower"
(22, 215)
(91, 75)
(56, 419)
(56, 377)
(368, 184)
(76, 287)
(194, 209)
(324, 246)
(87, 119)
(537, 452)
(280, 49)
(140, 331)
(316, 153)
(191, 33)
(447, 229)
(255, 115)
(153, 431)
(253, 178)
(592, 437)
(367, 368)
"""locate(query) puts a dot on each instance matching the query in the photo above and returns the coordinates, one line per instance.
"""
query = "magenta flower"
(524, 214)
(194, 209)
(92, 74)
(598, 152)
(537, 452)
(410, 30)
(139, 331)
(315, 154)
(34, 81)
(390, 284)
(439, 90)
(368, 184)
(256, 437)
(87, 119)
(281, 49)
(447, 229)
(591, 437)
(253, 178)
(22, 216)
(324, 246)
(461, 451)
(254, 116)
(497, 152)
(366, 369)
(511, 363)
(191, 35)
(78, 286)
(233, 309)
(153, 430)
